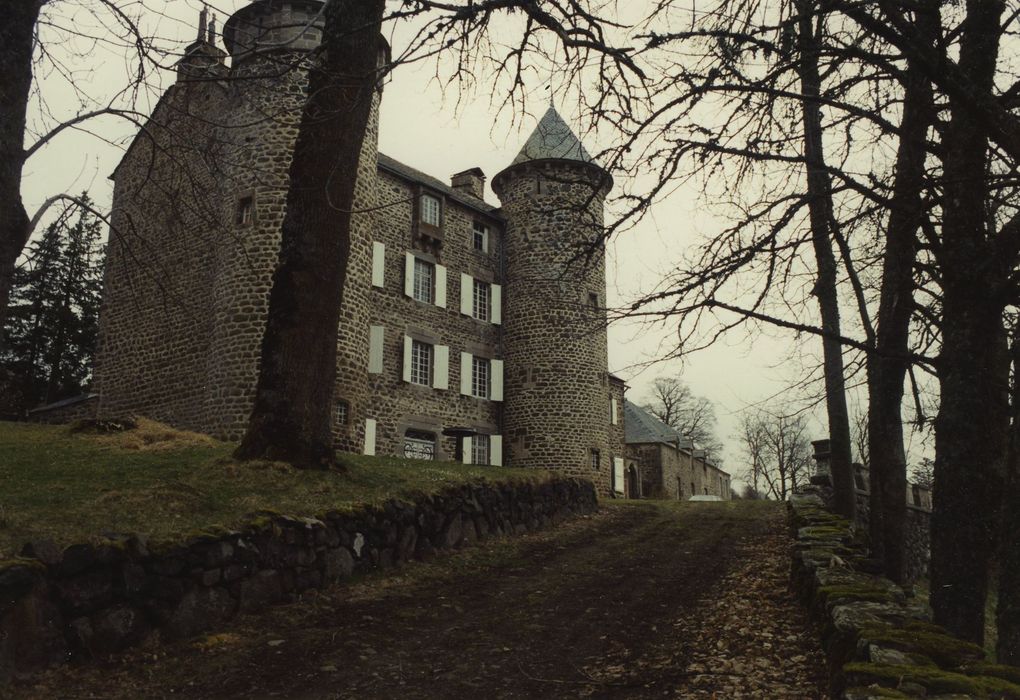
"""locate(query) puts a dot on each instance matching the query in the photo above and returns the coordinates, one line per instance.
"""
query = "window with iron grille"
(480, 449)
(481, 237)
(421, 363)
(482, 295)
(430, 210)
(424, 280)
(480, 377)
(419, 445)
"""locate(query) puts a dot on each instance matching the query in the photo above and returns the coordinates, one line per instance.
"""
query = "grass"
(67, 487)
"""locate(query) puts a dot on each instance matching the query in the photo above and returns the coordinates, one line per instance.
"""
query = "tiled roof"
(553, 139)
(643, 427)
(408, 173)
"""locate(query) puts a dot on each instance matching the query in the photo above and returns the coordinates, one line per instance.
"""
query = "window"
(593, 301)
(480, 377)
(480, 306)
(480, 237)
(430, 210)
(245, 211)
(596, 459)
(421, 363)
(342, 412)
(419, 445)
(424, 280)
(480, 449)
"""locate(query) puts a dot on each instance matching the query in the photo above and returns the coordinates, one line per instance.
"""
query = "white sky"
(427, 130)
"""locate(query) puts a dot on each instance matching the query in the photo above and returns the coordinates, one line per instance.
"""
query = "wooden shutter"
(441, 367)
(465, 373)
(441, 286)
(409, 275)
(467, 447)
(406, 374)
(618, 476)
(370, 436)
(496, 450)
(613, 407)
(496, 380)
(467, 290)
(497, 304)
(376, 336)
(378, 264)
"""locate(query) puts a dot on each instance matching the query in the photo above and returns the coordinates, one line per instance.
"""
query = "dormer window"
(430, 210)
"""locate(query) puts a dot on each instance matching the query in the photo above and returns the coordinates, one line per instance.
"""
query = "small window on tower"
(342, 412)
(593, 301)
(245, 211)
(596, 459)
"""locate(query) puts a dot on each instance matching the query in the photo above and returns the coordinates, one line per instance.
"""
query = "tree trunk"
(1007, 611)
(291, 417)
(821, 218)
(972, 423)
(887, 365)
(17, 33)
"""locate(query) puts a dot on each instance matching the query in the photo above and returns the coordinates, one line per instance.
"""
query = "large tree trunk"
(821, 218)
(1007, 612)
(17, 32)
(887, 365)
(972, 423)
(291, 417)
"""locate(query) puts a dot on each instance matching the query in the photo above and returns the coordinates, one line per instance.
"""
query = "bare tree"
(693, 416)
(778, 450)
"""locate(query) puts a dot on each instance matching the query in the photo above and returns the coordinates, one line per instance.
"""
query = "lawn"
(67, 487)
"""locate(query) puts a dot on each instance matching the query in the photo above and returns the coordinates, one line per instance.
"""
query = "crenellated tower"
(557, 396)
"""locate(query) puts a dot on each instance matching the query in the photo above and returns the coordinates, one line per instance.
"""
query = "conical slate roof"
(553, 139)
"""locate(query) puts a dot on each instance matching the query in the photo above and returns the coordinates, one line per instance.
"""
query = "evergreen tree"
(53, 317)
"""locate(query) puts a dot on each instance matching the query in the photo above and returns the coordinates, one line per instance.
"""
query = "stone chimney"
(202, 60)
(470, 182)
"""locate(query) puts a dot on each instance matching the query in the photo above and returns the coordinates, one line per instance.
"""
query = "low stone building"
(468, 330)
(662, 463)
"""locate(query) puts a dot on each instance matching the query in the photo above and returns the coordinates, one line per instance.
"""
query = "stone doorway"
(633, 486)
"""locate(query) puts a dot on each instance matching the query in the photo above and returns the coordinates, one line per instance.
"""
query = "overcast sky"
(423, 125)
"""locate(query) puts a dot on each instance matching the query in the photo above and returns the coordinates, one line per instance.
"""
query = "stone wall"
(92, 600)
(667, 472)
(879, 641)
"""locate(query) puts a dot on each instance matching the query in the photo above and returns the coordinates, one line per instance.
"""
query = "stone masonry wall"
(554, 332)
(879, 642)
(93, 600)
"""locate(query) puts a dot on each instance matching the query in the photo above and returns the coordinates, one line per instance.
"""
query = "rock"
(218, 554)
(111, 630)
(358, 543)
(199, 609)
(76, 559)
(86, 592)
(339, 564)
(262, 589)
(45, 551)
(31, 634)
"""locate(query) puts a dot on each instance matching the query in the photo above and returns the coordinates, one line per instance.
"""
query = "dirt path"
(641, 600)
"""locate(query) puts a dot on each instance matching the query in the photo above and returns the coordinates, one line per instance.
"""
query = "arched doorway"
(633, 487)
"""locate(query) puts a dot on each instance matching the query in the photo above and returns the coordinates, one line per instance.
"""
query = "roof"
(553, 140)
(66, 402)
(643, 427)
(408, 173)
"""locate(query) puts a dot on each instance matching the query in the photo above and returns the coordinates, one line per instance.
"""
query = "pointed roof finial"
(212, 30)
(203, 19)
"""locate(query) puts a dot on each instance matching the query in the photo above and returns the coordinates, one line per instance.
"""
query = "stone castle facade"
(468, 331)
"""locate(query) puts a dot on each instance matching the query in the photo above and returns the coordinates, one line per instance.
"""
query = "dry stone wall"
(88, 601)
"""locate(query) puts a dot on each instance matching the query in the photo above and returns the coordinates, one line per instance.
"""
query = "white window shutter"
(376, 336)
(441, 367)
(485, 240)
(467, 448)
(370, 436)
(613, 407)
(496, 390)
(467, 290)
(465, 373)
(406, 374)
(378, 264)
(618, 475)
(409, 275)
(497, 304)
(441, 286)
(496, 450)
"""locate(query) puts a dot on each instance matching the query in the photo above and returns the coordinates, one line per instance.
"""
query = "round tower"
(556, 399)
(269, 43)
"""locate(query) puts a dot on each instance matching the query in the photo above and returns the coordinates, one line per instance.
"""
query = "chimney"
(470, 182)
(203, 19)
(212, 30)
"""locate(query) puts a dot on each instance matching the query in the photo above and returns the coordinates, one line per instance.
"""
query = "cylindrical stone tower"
(557, 397)
(269, 43)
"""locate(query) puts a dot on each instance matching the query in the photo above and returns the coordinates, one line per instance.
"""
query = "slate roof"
(553, 139)
(642, 427)
(408, 173)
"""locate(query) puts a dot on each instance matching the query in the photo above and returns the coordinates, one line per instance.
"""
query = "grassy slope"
(64, 487)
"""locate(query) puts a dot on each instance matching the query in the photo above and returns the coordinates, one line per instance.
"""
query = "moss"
(822, 532)
(945, 650)
(875, 691)
(1006, 673)
(855, 591)
(935, 680)
(22, 563)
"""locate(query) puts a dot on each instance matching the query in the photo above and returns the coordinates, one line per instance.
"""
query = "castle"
(467, 331)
